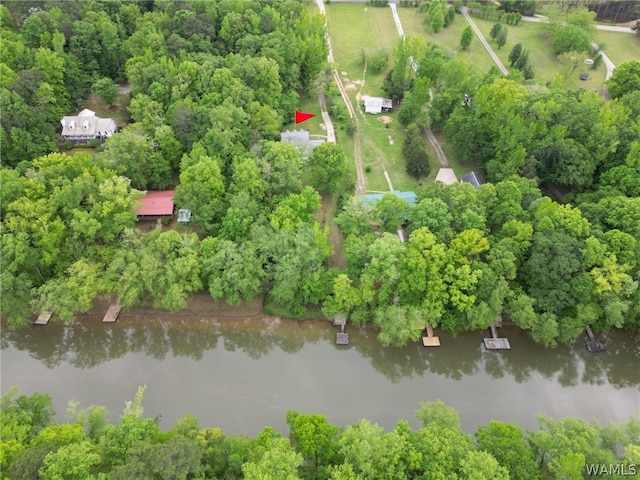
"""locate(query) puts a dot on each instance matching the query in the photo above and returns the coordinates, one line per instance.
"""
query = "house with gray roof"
(86, 126)
(473, 178)
(300, 139)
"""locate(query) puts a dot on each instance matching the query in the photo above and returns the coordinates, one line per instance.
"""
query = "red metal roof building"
(157, 204)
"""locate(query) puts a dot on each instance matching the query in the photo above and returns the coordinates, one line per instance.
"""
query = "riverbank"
(241, 373)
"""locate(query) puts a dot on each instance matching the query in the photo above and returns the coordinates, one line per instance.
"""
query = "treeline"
(503, 251)
(69, 234)
(87, 447)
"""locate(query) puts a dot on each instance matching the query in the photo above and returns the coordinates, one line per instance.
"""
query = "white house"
(377, 105)
(86, 126)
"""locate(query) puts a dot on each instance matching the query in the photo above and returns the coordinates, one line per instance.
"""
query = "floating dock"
(593, 345)
(112, 314)
(496, 343)
(43, 318)
(430, 340)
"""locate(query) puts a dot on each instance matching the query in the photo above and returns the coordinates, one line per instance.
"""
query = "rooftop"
(371, 198)
(473, 178)
(155, 203)
(446, 176)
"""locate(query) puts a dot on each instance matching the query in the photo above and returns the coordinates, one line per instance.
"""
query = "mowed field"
(545, 63)
(356, 29)
(619, 47)
(449, 37)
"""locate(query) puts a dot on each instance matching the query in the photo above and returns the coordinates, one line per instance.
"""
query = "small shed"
(377, 105)
(372, 198)
(473, 178)
(446, 176)
(300, 139)
(157, 204)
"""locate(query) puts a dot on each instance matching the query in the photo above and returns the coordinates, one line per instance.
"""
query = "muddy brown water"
(237, 369)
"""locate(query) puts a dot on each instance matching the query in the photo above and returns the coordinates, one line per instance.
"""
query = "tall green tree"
(106, 89)
(328, 167)
(466, 37)
(201, 190)
(415, 153)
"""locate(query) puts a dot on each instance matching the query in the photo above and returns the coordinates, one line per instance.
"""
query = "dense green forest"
(87, 447)
(212, 84)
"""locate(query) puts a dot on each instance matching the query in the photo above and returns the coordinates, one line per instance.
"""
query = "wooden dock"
(43, 318)
(430, 340)
(342, 338)
(494, 342)
(112, 314)
(339, 321)
(592, 343)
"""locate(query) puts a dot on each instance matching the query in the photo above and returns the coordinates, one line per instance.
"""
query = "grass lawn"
(449, 37)
(117, 111)
(309, 104)
(619, 47)
(355, 28)
(545, 63)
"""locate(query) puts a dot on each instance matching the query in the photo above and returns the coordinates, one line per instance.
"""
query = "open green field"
(619, 47)
(449, 37)
(355, 28)
(545, 63)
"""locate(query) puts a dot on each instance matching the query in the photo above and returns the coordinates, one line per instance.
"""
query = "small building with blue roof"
(372, 198)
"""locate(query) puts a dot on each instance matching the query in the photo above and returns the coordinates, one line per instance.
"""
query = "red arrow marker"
(302, 116)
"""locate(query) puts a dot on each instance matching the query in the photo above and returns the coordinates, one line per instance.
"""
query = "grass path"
(357, 148)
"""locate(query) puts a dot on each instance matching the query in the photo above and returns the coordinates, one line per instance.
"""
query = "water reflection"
(89, 343)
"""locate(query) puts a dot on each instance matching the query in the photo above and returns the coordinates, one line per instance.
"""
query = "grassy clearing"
(118, 111)
(544, 61)
(309, 103)
(448, 38)
(619, 47)
(355, 28)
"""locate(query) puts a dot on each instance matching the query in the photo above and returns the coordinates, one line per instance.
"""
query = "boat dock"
(342, 338)
(494, 342)
(43, 318)
(430, 340)
(112, 314)
(592, 343)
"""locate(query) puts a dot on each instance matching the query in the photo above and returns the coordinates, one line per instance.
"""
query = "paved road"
(357, 148)
(607, 62)
(442, 158)
(492, 54)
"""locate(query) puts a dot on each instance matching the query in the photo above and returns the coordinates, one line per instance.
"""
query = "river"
(241, 374)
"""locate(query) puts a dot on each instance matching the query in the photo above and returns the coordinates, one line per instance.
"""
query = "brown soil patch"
(385, 119)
